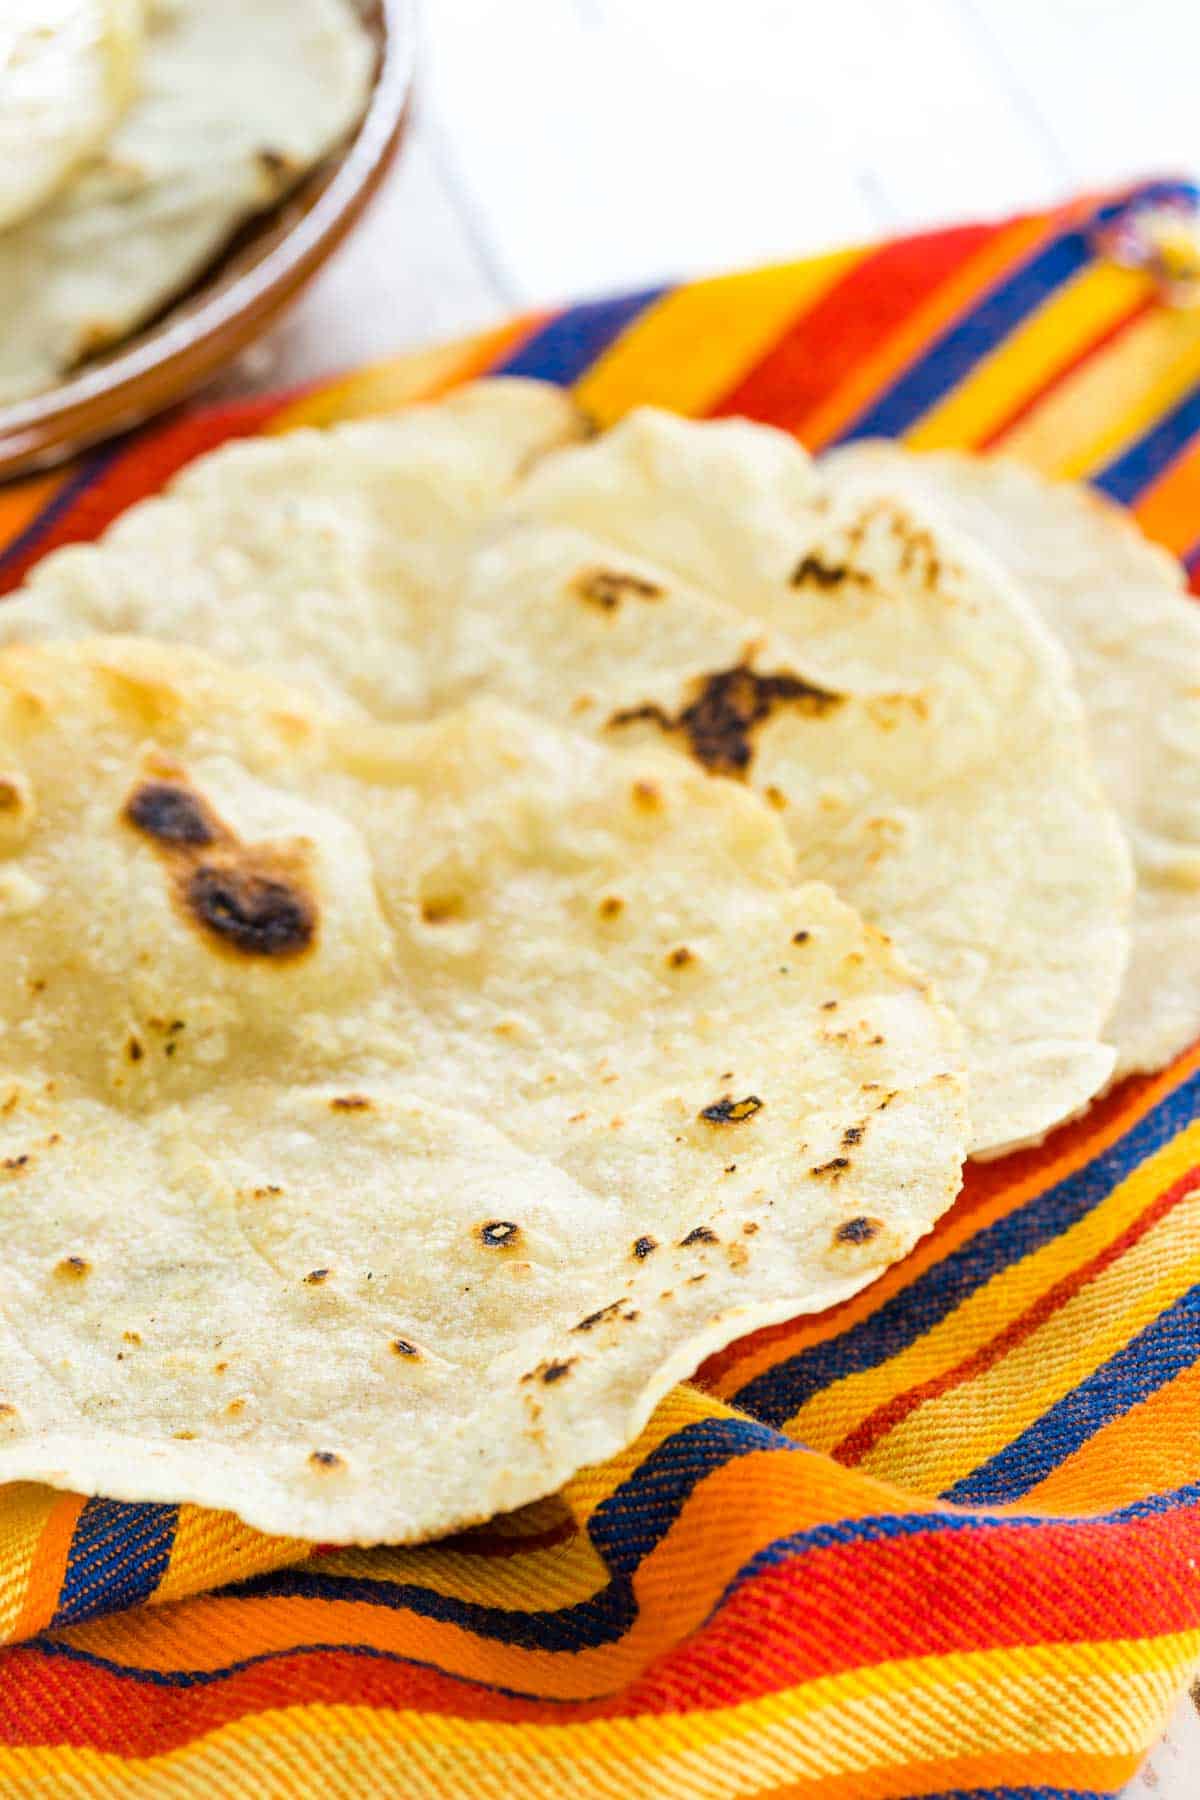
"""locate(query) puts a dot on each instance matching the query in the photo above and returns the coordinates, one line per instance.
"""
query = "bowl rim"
(28, 434)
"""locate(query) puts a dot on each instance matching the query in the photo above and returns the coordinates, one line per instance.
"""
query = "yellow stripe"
(1064, 1699)
(832, 1413)
(383, 386)
(1029, 357)
(948, 1437)
(1113, 398)
(689, 348)
(565, 1575)
(23, 1516)
(682, 1406)
(211, 1548)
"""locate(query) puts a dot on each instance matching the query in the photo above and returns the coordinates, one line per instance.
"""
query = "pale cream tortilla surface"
(320, 556)
(68, 70)
(446, 1092)
(1120, 606)
(946, 789)
(937, 772)
(236, 100)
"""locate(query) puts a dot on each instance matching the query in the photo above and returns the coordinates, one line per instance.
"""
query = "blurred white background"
(568, 147)
(565, 147)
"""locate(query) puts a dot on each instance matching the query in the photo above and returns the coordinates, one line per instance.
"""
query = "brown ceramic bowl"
(264, 268)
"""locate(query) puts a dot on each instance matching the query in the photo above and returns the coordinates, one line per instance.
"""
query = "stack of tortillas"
(135, 137)
(541, 906)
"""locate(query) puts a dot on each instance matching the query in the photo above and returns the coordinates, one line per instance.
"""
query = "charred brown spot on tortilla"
(835, 1168)
(499, 1234)
(646, 796)
(236, 1406)
(325, 1459)
(554, 1371)
(775, 797)
(595, 1318)
(316, 1277)
(726, 709)
(131, 1337)
(728, 1111)
(856, 1231)
(248, 907)
(699, 1234)
(643, 1246)
(801, 937)
(172, 814)
(750, 1227)
(441, 909)
(275, 164)
(813, 571)
(7, 1411)
(351, 1103)
(252, 899)
(680, 958)
(16, 1162)
(611, 907)
(402, 1347)
(606, 588)
(73, 1268)
(853, 1134)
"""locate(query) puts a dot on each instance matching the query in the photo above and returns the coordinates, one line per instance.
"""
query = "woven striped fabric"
(941, 1541)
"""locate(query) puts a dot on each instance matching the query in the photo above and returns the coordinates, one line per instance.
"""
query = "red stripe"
(899, 1597)
(826, 342)
(859, 1442)
(1030, 405)
(143, 467)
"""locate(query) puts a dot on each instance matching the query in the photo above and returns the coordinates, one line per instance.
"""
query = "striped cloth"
(943, 1540)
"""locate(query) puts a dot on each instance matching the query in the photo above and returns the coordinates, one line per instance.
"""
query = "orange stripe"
(21, 502)
(995, 1769)
(737, 1508)
(1151, 1449)
(874, 373)
(49, 1566)
(992, 1191)
(1169, 509)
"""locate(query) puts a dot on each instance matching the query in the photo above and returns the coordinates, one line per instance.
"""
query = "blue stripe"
(570, 343)
(1134, 470)
(1021, 1793)
(952, 356)
(119, 1553)
(777, 1394)
(90, 471)
(1159, 1353)
(335, 1587)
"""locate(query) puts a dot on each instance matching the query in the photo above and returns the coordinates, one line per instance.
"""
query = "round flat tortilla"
(68, 70)
(320, 555)
(237, 99)
(1120, 606)
(948, 791)
(872, 672)
(390, 1115)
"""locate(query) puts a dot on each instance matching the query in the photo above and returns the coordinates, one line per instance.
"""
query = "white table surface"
(562, 147)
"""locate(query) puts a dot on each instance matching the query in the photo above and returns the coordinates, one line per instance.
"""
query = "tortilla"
(877, 675)
(237, 100)
(68, 69)
(390, 1115)
(1120, 606)
(1008, 884)
(320, 555)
